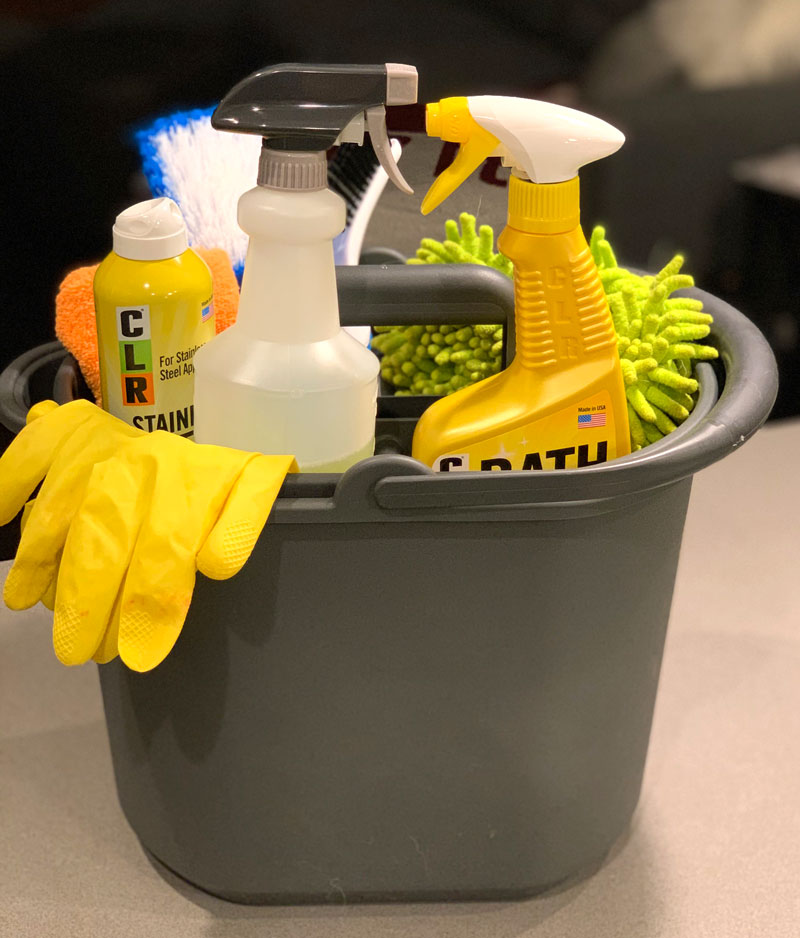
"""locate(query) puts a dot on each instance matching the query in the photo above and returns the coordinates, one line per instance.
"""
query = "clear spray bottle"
(286, 378)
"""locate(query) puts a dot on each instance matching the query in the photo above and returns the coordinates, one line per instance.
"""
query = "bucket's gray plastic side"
(424, 687)
(396, 712)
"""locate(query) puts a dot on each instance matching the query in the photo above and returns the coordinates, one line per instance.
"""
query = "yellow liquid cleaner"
(561, 402)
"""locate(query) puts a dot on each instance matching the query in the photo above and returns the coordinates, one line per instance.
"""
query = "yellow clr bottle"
(154, 306)
(561, 403)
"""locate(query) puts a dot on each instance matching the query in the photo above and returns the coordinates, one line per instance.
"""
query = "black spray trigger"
(300, 109)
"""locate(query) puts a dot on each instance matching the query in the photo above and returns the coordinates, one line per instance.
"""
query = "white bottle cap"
(150, 231)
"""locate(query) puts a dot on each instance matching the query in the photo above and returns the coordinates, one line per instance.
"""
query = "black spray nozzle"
(296, 106)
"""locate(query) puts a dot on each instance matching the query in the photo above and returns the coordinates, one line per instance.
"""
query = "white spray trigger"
(376, 126)
(547, 142)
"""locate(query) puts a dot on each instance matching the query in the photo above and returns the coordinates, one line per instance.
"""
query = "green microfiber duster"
(657, 334)
(442, 359)
(463, 247)
(657, 341)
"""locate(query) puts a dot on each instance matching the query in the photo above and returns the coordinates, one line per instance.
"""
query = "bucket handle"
(427, 294)
(15, 383)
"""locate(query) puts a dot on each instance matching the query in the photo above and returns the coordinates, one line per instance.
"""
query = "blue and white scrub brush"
(205, 172)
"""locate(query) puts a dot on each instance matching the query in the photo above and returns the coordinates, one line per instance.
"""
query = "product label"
(135, 356)
(154, 362)
(583, 434)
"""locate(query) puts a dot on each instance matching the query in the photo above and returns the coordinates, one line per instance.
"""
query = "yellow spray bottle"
(560, 404)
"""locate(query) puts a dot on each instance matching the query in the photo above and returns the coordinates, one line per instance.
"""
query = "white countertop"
(714, 848)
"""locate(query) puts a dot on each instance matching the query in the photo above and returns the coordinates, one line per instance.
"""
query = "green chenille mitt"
(657, 334)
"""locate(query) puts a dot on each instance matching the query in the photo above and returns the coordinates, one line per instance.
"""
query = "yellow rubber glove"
(49, 597)
(159, 510)
(147, 517)
(61, 446)
(105, 436)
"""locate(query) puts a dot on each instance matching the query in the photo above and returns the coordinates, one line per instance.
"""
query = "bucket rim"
(744, 403)
(394, 482)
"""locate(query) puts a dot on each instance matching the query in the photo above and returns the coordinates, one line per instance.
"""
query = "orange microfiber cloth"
(76, 327)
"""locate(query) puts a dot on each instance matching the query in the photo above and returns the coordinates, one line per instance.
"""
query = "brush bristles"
(206, 172)
(350, 171)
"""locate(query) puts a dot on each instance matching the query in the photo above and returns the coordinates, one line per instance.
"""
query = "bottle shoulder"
(237, 358)
(295, 216)
(117, 278)
(514, 398)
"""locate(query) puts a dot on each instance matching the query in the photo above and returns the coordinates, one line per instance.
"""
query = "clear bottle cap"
(150, 231)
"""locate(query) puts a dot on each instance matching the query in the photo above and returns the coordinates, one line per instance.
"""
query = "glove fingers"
(33, 572)
(31, 453)
(153, 607)
(96, 555)
(49, 597)
(243, 517)
(42, 409)
(45, 532)
(158, 588)
(107, 650)
(160, 579)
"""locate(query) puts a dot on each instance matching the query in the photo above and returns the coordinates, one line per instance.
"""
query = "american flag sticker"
(591, 420)
(208, 312)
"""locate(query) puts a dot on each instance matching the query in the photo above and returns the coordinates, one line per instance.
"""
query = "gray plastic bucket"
(425, 686)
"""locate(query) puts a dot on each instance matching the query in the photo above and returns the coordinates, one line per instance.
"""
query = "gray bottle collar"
(305, 170)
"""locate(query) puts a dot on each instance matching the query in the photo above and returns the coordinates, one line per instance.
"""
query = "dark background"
(77, 76)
